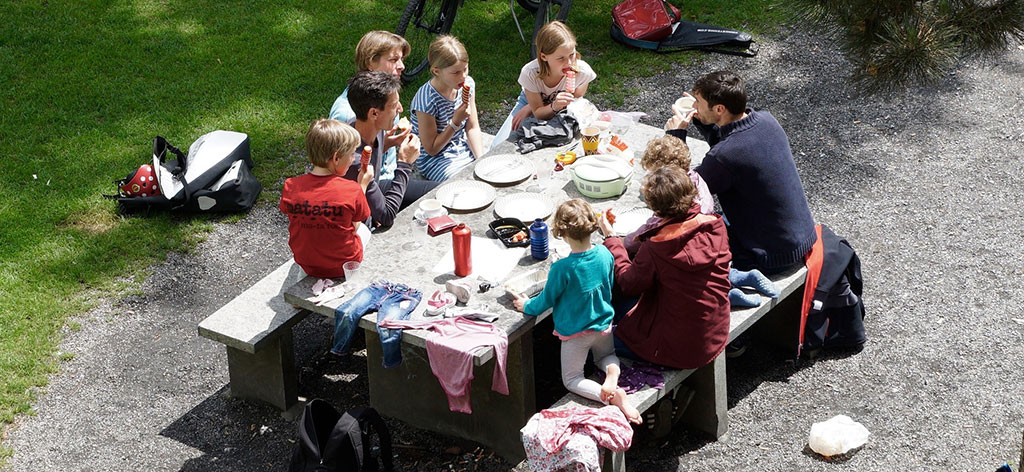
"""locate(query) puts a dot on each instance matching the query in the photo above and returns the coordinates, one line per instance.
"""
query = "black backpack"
(836, 317)
(687, 35)
(333, 442)
(215, 176)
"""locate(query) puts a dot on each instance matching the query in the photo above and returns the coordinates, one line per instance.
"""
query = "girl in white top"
(444, 116)
(544, 79)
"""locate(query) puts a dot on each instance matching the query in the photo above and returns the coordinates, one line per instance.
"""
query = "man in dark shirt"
(750, 168)
(374, 99)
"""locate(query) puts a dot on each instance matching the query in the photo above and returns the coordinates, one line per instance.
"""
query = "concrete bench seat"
(707, 410)
(256, 329)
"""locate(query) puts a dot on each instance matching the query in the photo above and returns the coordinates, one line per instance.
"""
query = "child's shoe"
(439, 302)
(461, 288)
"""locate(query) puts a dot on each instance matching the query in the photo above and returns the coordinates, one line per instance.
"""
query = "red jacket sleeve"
(633, 277)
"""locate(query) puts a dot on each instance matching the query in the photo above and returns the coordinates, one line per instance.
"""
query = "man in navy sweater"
(750, 167)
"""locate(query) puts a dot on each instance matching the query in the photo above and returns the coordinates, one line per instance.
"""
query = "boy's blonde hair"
(375, 44)
(326, 137)
(666, 150)
(551, 37)
(446, 51)
(575, 219)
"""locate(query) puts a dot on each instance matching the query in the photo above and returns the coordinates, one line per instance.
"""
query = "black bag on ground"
(215, 176)
(687, 36)
(333, 442)
(836, 317)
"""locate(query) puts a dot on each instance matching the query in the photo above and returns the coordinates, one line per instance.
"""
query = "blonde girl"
(543, 79)
(579, 293)
(445, 121)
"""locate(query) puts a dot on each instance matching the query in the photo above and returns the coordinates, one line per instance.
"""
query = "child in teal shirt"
(579, 291)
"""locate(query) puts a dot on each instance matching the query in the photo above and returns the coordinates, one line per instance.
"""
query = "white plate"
(629, 220)
(465, 195)
(524, 206)
(503, 169)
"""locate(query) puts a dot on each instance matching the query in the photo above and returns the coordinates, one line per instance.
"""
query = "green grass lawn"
(87, 84)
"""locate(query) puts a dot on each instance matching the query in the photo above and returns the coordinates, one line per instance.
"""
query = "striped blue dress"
(455, 155)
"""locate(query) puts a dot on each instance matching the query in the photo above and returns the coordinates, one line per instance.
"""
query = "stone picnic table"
(410, 392)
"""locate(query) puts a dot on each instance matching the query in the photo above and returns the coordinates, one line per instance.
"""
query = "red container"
(461, 239)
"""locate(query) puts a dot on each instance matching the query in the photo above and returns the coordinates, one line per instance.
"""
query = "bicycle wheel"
(529, 5)
(546, 12)
(420, 23)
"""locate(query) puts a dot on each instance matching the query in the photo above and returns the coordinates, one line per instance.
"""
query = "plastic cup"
(544, 170)
(351, 269)
(591, 137)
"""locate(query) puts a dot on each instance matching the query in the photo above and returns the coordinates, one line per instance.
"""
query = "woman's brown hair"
(669, 192)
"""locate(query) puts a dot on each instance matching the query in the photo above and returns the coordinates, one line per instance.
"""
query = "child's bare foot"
(620, 400)
(611, 382)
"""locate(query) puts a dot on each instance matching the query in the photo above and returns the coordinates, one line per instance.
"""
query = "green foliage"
(894, 43)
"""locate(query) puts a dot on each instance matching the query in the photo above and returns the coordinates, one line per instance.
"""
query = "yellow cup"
(591, 138)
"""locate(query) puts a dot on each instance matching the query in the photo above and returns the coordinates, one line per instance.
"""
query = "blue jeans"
(391, 301)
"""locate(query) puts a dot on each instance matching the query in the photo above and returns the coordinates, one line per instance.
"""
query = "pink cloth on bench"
(450, 352)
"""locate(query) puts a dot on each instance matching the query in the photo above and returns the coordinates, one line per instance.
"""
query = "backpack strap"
(370, 422)
(160, 148)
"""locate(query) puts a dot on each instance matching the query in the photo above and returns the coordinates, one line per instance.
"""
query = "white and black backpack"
(215, 176)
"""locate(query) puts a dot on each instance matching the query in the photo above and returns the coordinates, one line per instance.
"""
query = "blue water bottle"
(539, 239)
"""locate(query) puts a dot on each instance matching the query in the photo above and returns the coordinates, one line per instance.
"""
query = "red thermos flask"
(461, 238)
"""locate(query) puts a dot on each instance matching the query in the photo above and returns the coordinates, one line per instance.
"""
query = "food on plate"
(610, 216)
(567, 157)
(519, 237)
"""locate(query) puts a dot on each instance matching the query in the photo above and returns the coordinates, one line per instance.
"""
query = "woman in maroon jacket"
(680, 273)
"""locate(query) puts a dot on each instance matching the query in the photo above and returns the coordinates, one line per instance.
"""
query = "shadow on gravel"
(240, 435)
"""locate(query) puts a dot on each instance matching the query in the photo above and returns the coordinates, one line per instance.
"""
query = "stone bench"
(256, 329)
(707, 409)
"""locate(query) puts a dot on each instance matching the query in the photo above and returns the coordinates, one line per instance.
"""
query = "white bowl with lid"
(601, 176)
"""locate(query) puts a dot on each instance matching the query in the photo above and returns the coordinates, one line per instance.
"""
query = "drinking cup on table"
(544, 170)
(591, 136)
(351, 269)
(430, 208)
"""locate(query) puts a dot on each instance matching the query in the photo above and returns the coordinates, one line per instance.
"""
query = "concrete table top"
(385, 259)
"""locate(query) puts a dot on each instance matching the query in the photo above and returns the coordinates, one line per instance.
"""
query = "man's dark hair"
(368, 90)
(722, 88)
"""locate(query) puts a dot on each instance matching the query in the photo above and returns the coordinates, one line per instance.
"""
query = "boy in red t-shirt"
(324, 209)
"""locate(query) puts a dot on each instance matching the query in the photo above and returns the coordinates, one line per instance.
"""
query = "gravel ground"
(925, 185)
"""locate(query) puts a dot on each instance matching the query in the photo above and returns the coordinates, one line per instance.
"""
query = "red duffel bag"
(647, 20)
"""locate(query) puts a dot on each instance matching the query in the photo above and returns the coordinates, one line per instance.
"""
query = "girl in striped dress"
(444, 113)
